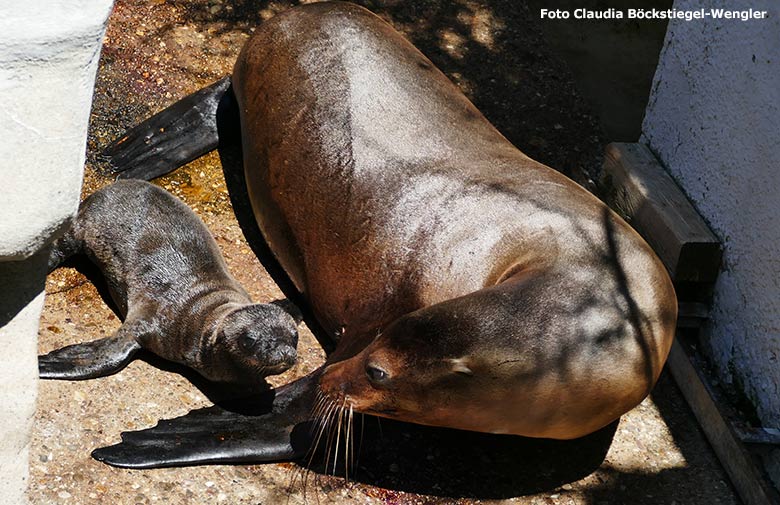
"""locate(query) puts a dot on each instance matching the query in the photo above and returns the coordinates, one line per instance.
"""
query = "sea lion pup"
(468, 285)
(167, 277)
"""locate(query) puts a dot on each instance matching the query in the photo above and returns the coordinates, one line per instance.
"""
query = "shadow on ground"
(444, 462)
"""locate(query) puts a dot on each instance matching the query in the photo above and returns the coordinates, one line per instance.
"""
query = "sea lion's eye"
(247, 342)
(376, 375)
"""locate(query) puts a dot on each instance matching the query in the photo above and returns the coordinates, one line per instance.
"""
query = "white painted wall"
(713, 119)
(48, 58)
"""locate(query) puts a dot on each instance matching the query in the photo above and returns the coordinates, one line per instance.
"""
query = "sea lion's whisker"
(319, 407)
(331, 435)
(352, 430)
(339, 423)
(334, 433)
(322, 423)
(330, 417)
(345, 424)
(348, 452)
(322, 401)
(318, 401)
(294, 473)
(322, 415)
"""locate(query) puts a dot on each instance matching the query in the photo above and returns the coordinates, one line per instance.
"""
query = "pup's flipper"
(179, 134)
(271, 428)
(98, 358)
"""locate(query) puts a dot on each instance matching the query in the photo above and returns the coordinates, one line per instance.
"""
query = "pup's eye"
(247, 342)
(376, 375)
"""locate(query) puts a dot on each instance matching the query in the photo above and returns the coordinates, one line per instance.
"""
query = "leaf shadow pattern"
(494, 51)
(452, 463)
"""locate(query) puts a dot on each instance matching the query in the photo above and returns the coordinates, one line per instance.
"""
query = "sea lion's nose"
(286, 336)
(284, 355)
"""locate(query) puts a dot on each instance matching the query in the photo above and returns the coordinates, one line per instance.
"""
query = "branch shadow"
(493, 50)
(453, 463)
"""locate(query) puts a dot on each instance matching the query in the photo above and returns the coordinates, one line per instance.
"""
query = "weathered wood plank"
(752, 487)
(636, 185)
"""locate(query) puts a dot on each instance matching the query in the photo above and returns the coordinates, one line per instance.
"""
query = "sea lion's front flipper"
(177, 135)
(88, 360)
(272, 428)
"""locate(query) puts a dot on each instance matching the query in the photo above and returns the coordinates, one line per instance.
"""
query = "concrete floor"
(159, 50)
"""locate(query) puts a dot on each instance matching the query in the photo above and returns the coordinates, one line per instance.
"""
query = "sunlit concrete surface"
(49, 53)
(48, 57)
(21, 300)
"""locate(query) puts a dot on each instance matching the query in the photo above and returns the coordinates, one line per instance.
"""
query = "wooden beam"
(635, 184)
(691, 315)
(751, 485)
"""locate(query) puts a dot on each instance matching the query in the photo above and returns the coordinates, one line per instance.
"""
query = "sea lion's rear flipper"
(271, 428)
(179, 134)
(88, 360)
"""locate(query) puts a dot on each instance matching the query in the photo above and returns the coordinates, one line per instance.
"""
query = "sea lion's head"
(421, 368)
(253, 341)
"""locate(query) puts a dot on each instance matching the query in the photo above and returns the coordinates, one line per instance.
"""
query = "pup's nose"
(284, 355)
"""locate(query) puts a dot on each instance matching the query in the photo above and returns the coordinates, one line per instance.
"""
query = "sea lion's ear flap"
(289, 307)
(460, 366)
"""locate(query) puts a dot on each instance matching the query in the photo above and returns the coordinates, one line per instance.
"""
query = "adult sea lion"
(170, 282)
(468, 285)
